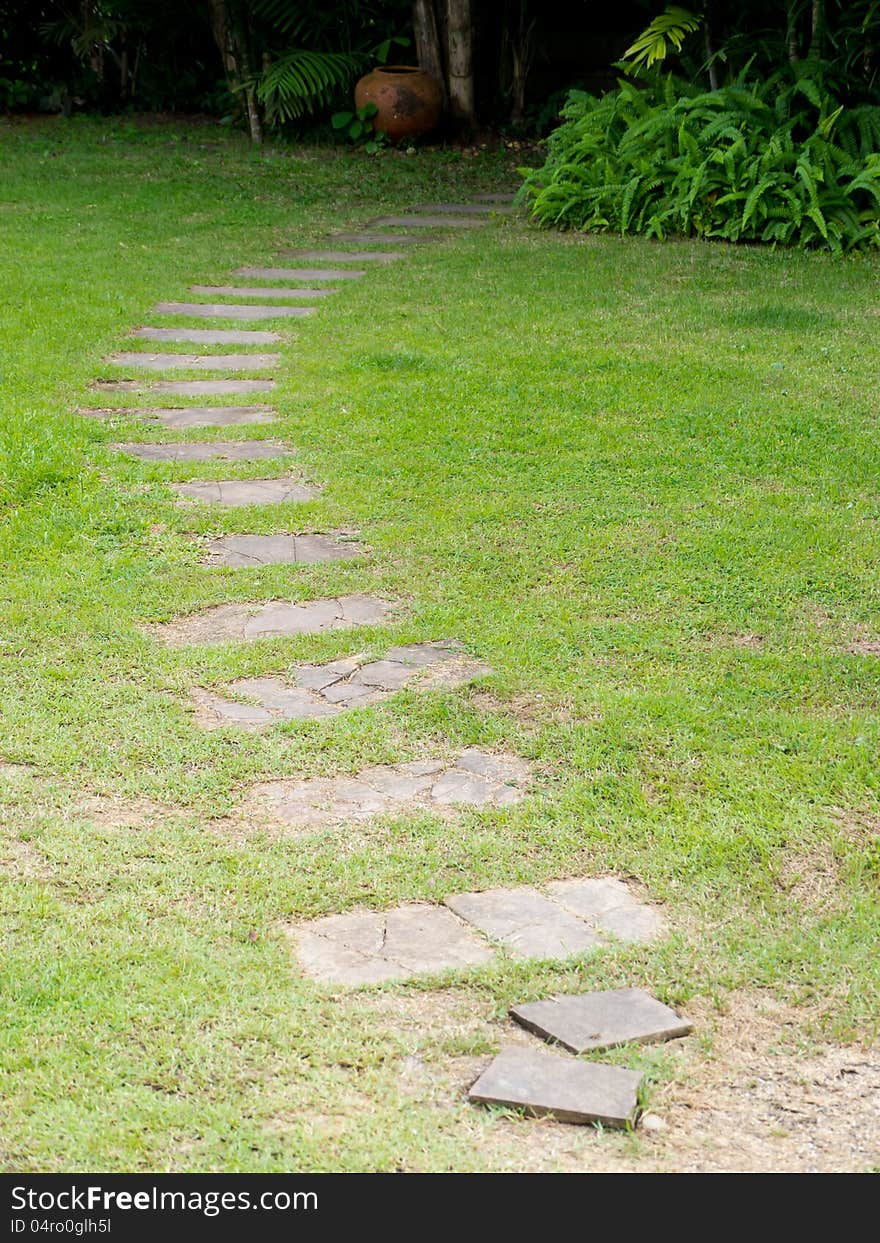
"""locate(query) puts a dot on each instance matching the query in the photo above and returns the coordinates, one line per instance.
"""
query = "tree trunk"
(794, 54)
(429, 52)
(817, 29)
(460, 59)
(235, 63)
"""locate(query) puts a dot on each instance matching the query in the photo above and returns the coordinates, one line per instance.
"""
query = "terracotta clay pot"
(409, 100)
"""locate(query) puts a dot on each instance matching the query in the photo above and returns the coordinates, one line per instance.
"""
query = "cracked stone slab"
(374, 947)
(473, 779)
(208, 336)
(195, 362)
(258, 291)
(540, 1082)
(300, 274)
(231, 492)
(182, 417)
(370, 239)
(427, 222)
(227, 623)
(205, 450)
(232, 310)
(525, 922)
(609, 906)
(324, 690)
(187, 388)
(241, 551)
(459, 209)
(344, 256)
(606, 1020)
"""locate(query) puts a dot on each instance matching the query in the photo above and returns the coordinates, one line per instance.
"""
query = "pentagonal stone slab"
(323, 690)
(609, 906)
(259, 291)
(369, 239)
(300, 274)
(540, 1082)
(181, 417)
(243, 551)
(374, 947)
(231, 310)
(593, 1021)
(427, 222)
(196, 362)
(231, 492)
(392, 788)
(230, 622)
(187, 388)
(208, 336)
(344, 256)
(525, 922)
(458, 209)
(203, 451)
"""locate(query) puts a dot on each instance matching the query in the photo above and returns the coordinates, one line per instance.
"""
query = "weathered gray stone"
(495, 198)
(371, 239)
(205, 450)
(231, 492)
(182, 417)
(608, 905)
(460, 209)
(426, 222)
(373, 947)
(540, 1082)
(208, 336)
(227, 623)
(385, 789)
(256, 550)
(344, 256)
(187, 388)
(594, 1021)
(300, 274)
(259, 291)
(195, 362)
(525, 922)
(232, 310)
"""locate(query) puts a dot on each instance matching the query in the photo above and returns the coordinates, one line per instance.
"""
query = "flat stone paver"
(427, 222)
(231, 310)
(225, 623)
(594, 1021)
(609, 906)
(196, 362)
(259, 291)
(369, 239)
(187, 388)
(232, 492)
(243, 551)
(495, 198)
(474, 779)
(182, 417)
(540, 1082)
(459, 209)
(525, 922)
(205, 450)
(208, 336)
(300, 274)
(325, 690)
(344, 256)
(374, 947)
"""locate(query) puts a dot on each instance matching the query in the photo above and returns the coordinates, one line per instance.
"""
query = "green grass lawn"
(639, 480)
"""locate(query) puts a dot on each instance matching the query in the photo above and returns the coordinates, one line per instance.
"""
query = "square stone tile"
(540, 1082)
(595, 1021)
(525, 922)
(247, 551)
(608, 905)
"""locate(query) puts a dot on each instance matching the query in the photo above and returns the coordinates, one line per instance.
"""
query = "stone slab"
(344, 256)
(300, 274)
(426, 222)
(231, 310)
(208, 336)
(232, 492)
(187, 388)
(258, 291)
(458, 209)
(244, 551)
(495, 198)
(525, 922)
(374, 947)
(195, 362)
(540, 1082)
(369, 239)
(227, 623)
(608, 905)
(386, 789)
(182, 417)
(606, 1020)
(205, 450)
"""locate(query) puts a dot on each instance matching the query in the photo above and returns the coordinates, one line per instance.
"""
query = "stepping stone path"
(255, 550)
(594, 1021)
(425, 222)
(300, 274)
(258, 291)
(326, 690)
(368, 239)
(187, 388)
(344, 256)
(231, 310)
(196, 362)
(208, 336)
(183, 417)
(231, 492)
(494, 198)
(540, 1082)
(203, 451)
(474, 779)
(226, 623)
(459, 209)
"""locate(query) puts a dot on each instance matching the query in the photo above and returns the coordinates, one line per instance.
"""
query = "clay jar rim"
(401, 69)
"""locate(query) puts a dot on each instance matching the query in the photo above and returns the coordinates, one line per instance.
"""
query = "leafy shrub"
(771, 162)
